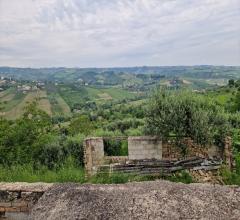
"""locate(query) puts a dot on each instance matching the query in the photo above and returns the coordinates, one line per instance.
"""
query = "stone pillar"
(93, 154)
(144, 147)
(228, 157)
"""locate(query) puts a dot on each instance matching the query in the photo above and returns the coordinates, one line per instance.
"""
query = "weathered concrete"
(93, 154)
(145, 200)
(144, 147)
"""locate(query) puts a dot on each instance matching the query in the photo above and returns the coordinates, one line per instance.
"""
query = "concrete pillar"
(93, 154)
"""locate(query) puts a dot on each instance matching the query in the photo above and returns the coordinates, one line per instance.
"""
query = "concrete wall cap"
(144, 138)
(93, 138)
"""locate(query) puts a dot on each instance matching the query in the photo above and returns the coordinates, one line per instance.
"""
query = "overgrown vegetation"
(40, 147)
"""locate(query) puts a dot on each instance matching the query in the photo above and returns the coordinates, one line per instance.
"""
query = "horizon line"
(111, 67)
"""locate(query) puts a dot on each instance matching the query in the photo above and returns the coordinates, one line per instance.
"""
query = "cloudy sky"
(102, 33)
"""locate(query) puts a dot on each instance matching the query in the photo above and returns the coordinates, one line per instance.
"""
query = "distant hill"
(114, 76)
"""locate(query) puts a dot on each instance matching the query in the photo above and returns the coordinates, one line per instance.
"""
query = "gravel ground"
(145, 200)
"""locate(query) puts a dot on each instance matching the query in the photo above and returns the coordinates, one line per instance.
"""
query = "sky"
(111, 33)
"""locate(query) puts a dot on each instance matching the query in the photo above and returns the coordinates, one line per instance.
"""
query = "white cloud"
(119, 32)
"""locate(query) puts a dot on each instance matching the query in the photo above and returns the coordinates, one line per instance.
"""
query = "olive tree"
(185, 114)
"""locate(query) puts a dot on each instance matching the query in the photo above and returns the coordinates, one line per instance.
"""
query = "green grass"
(117, 178)
(70, 173)
(183, 177)
(27, 174)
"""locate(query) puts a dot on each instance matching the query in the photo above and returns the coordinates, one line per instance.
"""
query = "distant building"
(24, 88)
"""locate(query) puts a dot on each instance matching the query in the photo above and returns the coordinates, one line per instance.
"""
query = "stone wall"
(144, 147)
(20, 197)
(171, 150)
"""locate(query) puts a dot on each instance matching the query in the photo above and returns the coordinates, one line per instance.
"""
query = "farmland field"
(59, 100)
(14, 109)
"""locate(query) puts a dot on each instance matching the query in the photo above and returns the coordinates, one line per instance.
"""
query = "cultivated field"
(58, 100)
(16, 105)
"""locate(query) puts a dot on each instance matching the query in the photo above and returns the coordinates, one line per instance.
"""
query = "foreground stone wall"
(20, 197)
(145, 200)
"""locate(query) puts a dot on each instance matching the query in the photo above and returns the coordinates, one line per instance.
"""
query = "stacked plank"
(151, 166)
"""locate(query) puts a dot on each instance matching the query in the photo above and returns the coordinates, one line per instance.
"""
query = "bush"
(74, 146)
(80, 125)
(51, 154)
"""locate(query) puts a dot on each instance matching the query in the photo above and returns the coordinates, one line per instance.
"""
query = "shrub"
(80, 124)
(49, 152)
(74, 146)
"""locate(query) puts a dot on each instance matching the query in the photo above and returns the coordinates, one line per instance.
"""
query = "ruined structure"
(147, 154)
